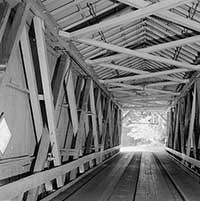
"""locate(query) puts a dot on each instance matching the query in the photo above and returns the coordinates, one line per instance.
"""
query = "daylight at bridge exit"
(99, 100)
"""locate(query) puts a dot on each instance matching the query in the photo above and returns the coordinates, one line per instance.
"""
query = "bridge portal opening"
(142, 128)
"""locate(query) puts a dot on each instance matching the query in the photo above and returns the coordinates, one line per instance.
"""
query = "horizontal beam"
(134, 53)
(11, 190)
(139, 102)
(147, 105)
(184, 157)
(125, 89)
(144, 101)
(132, 16)
(137, 71)
(15, 166)
(151, 108)
(136, 77)
(122, 68)
(126, 86)
(153, 90)
(106, 59)
(165, 14)
(158, 84)
(150, 49)
(150, 98)
(149, 85)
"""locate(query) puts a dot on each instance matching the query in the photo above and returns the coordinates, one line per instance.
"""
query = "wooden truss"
(67, 119)
(183, 123)
(65, 107)
(84, 37)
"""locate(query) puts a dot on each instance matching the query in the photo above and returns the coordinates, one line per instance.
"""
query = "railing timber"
(13, 189)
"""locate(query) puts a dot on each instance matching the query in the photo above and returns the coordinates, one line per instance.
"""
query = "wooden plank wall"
(55, 112)
(184, 125)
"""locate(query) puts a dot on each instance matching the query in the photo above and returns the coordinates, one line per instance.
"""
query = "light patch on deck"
(144, 148)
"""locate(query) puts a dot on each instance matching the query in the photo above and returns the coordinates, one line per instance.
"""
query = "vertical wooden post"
(118, 140)
(80, 132)
(110, 126)
(175, 143)
(187, 115)
(48, 98)
(182, 114)
(99, 119)
(114, 124)
(114, 127)
(72, 101)
(94, 118)
(170, 129)
(198, 104)
(58, 81)
(191, 126)
(99, 112)
(120, 126)
(105, 123)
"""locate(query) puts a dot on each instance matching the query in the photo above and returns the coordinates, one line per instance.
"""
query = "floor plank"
(188, 186)
(139, 176)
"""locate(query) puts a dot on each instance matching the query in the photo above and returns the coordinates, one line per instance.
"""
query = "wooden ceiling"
(144, 52)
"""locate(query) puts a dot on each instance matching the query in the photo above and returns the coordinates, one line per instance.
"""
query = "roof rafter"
(131, 70)
(149, 75)
(129, 87)
(153, 48)
(143, 12)
(135, 53)
(156, 84)
(165, 14)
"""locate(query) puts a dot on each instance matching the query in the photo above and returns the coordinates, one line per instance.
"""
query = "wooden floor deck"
(136, 176)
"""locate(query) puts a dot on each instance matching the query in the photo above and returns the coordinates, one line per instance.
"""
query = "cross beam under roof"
(143, 12)
(144, 86)
(135, 53)
(155, 108)
(165, 14)
(148, 74)
(144, 89)
(152, 48)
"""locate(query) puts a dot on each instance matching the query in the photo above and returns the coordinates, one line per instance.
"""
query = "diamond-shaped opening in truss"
(5, 135)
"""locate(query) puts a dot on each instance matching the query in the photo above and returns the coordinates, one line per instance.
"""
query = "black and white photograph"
(99, 100)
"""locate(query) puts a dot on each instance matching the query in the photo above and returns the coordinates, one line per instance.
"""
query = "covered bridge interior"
(68, 70)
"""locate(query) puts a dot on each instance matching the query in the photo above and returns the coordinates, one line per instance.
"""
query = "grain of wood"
(101, 187)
